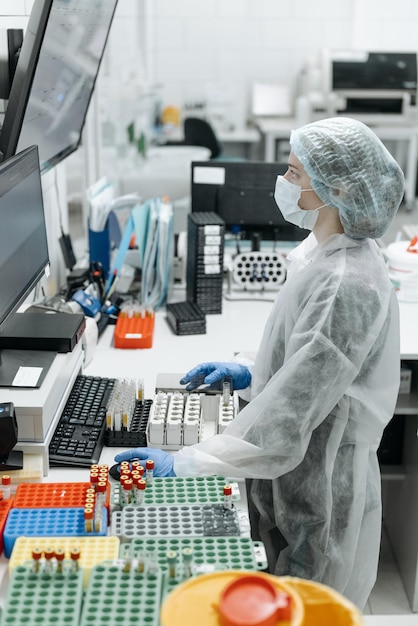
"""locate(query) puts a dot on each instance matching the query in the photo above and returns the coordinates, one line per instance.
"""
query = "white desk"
(276, 129)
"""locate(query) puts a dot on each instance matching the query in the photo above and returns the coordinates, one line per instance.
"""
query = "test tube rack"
(204, 555)
(136, 435)
(205, 253)
(258, 271)
(5, 506)
(47, 522)
(134, 331)
(175, 521)
(40, 598)
(52, 495)
(179, 418)
(120, 594)
(93, 550)
(178, 490)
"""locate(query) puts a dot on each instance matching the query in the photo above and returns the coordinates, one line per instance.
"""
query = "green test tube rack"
(196, 555)
(177, 490)
(44, 599)
(120, 594)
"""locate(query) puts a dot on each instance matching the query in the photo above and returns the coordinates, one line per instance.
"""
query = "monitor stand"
(24, 368)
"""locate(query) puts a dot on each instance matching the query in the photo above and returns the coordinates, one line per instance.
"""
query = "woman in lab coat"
(325, 380)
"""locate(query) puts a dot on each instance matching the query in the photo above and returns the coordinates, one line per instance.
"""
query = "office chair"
(198, 132)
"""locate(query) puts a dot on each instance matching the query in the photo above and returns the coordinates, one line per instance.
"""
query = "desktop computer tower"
(205, 251)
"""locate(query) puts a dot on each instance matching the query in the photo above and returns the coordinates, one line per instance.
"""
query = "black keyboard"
(79, 436)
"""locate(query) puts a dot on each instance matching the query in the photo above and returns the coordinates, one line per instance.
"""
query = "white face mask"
(287, 196)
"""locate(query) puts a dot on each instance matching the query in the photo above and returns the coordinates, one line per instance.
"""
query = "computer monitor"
(242, 193)
(24, 256)
(55, 76)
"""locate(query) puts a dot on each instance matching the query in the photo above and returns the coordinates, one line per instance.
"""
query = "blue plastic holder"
(47, 523)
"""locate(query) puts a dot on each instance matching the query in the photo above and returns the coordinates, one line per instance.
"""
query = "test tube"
(172, 563)
(88, 518)
(140, 389)
(6, 481)
(226, 392)
(75, 557)
(127, 491)
(140, 490)
(228, 504)
(59, 556)
(141, 563)
(149, 471)
(36, 557)
(49, 555)
(187, 554)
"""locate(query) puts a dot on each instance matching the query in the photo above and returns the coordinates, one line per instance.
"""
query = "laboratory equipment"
(186, 318)
(179, 418)
(55, 76)
(205, 251)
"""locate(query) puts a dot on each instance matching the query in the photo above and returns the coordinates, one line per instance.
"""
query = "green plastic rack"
(183, 557)
(120, 594)
(43, 599)
(177, 490)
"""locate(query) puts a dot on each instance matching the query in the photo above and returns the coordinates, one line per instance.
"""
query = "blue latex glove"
(216, 371)
(163, 461)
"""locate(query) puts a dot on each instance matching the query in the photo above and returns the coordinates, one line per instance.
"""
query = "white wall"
(232, 43)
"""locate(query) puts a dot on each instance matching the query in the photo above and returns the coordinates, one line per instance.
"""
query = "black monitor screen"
(23, 241)
(55, 76)
(242, 193)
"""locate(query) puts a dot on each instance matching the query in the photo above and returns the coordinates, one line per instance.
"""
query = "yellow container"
(324, 606)
(197, 601)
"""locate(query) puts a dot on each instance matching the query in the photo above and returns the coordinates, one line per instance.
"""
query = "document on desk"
(27, 377)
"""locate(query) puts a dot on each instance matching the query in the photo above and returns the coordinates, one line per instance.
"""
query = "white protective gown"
(324, 386)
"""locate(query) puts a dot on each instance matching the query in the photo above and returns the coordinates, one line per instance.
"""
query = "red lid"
(101, 487)
(252, 601)
(59, 554)
(149, 464)
(36, 554)
(49, 553)
(5, 479)
(227, 490)
(127, 484)
(141, 484)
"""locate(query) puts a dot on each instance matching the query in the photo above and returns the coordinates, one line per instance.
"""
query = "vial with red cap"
(228, 504)
(6, 482)
(149, 470)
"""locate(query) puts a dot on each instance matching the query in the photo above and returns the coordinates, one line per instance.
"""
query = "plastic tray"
(175, 521)
(45, 523)
(53, 495)
(134, 332)
(41, 599)
(116, 596)
(177, 490)
(209, 554)
(93, 550)
(5, 506)
(136, 436)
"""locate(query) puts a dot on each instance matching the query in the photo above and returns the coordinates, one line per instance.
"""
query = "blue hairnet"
(350, 169)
